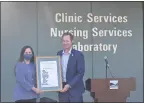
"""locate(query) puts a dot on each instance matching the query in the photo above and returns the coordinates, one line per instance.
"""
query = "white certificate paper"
(48, 70)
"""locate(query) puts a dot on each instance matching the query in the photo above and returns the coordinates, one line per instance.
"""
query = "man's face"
(66, 42)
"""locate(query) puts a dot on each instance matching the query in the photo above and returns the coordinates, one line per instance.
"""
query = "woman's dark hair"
(21, 58)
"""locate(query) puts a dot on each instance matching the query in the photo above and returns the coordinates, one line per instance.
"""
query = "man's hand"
(66, 87)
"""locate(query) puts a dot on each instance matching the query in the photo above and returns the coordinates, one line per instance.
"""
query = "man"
(73, 68)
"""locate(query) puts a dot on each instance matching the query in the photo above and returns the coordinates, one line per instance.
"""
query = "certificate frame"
(53, 73)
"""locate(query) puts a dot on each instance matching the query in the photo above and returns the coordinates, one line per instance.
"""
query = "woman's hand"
(37, 90)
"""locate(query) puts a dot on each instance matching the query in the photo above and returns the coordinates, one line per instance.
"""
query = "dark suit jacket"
(75, 72)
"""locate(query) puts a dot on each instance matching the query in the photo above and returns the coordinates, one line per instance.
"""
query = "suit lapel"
(60, 53)
(71, 57)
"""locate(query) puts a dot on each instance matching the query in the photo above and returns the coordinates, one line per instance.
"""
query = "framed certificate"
(48, 74)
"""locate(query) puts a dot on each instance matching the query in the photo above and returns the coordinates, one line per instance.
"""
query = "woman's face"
(28, 51)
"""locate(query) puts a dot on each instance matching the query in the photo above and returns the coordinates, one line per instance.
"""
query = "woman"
(25, 71)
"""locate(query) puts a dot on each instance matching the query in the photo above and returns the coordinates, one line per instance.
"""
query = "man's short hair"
(67, 33)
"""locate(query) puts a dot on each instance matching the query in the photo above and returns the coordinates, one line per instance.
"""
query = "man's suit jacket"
(75, 72)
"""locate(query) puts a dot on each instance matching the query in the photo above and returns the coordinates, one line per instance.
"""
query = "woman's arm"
(20, 78)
